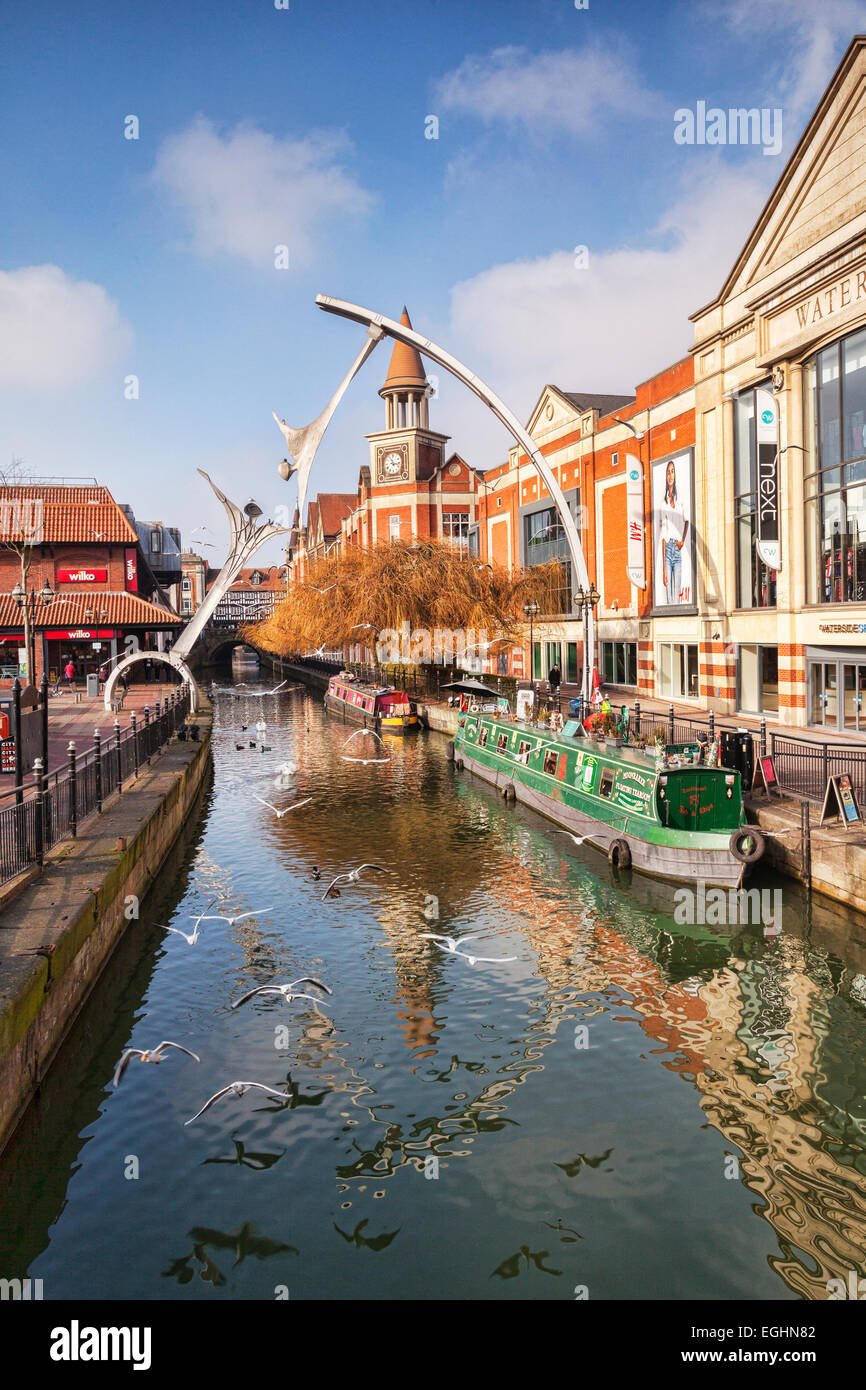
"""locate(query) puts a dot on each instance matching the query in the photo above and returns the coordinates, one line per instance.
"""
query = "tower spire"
(405, 387)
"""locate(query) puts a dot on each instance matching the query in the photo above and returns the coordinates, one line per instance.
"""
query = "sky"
(554, 230)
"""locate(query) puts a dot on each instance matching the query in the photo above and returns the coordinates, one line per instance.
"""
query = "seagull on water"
(191, 940)
(288, 991)
(237, 1088)
(279, 814)
(154, 1054)
(353, 876)
(451, 943)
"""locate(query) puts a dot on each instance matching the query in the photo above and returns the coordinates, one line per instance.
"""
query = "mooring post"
(670, 723)
(117, 748)
(712, 722)
(73, 791)
(807, 843)
(147, 733)
(97, 763)
(39, 827)
(763, 737)
(134, 724)
(636, 715)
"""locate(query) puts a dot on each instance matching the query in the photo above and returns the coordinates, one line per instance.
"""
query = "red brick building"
(84, 556)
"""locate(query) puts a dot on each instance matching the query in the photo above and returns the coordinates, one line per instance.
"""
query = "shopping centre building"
(723, 507)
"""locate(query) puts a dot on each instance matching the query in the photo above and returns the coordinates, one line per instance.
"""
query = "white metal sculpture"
(508, 419)
(246, 537)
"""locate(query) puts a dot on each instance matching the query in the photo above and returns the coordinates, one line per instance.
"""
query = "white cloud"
(245, 192)
(568, 90)
(606, 328)
(815, 36)
(55, 331)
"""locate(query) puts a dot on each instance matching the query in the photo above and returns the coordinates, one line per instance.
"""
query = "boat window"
(524, 751)
(549, 764)
(482, 737)
(501, 741)
(605, 786)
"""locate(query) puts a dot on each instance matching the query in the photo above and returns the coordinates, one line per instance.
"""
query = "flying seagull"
(153, 1055)
(221, 917)
(353, 876)
(191, 940)
(279, 814)
(236, 1088)
(451, 943)
(326, 590)
(288, 991)
(578, 839)
(371, 733)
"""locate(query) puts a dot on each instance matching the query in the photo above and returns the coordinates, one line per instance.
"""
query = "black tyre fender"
(747, 856)
(509, 792)
(458, 763)
(619, 854)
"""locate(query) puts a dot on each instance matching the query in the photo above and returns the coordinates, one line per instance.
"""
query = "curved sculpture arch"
(451, 364)
(171, 658)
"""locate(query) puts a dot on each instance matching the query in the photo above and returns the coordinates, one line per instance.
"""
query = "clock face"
(393, 463)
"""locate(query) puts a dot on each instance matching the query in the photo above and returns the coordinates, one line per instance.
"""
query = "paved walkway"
(68, 721)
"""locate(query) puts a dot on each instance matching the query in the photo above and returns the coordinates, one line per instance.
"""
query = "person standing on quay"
(554, 677)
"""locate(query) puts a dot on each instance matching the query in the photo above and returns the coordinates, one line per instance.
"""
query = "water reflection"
(626, 1080)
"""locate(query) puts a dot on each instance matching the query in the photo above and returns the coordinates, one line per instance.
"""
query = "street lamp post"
(587, 598)
(27, 605)
(531, 610)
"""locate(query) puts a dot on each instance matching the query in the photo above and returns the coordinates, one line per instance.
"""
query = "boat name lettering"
(631, 774)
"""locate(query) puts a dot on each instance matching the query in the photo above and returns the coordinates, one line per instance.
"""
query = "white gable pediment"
(551, 412)
(820, 199)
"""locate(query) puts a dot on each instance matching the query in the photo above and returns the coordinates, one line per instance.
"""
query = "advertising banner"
(131, 570)
(767, 429)
(635, 521)
(673, 532)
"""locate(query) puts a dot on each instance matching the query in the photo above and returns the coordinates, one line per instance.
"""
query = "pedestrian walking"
(69, 673)
(554, 678)
(148, 670)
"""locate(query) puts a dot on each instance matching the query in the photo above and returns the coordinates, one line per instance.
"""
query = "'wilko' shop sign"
(767, 423)
(82, 576)
(82, 634)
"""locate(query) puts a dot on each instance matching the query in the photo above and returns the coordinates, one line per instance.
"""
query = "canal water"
(629, 1108)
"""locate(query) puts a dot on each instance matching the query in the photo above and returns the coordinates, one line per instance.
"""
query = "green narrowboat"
(683, 822)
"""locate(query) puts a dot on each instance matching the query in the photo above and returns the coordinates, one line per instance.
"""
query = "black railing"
(57, 804)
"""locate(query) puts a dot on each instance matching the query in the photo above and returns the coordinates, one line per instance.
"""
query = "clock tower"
(407, 452)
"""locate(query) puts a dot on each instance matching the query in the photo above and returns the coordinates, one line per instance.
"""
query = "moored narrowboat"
(377, 707)
(684, 821)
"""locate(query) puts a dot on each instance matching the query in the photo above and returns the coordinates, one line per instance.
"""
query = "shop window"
(756, 584)
(572, 674)
(545, 540)
(836, 473)
(619, 663)
(677, 670)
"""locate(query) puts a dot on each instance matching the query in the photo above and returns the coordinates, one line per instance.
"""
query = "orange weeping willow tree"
(355, 596)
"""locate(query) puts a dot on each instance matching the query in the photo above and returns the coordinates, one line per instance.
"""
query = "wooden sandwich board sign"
(840, 799)
(765, 774)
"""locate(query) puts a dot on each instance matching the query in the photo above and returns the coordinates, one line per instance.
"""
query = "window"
(482, 737)
(756, 584)
(155, 542)
(455, 529)
(501, 742)
(677, 665)
(605, 786)
(619, 663)
(572, 675)
(836, 473)
(545, 540)
(759, 679)
(186, 605)
(393, 528)
(549, 764)
(186, 584)
(524, 750)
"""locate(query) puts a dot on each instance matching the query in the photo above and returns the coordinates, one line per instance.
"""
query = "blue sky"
(261, 127)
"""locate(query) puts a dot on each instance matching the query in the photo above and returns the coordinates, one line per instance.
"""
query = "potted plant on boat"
(608, 728)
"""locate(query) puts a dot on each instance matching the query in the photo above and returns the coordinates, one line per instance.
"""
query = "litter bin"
(746, 762)
(92, 685)
(728, 752)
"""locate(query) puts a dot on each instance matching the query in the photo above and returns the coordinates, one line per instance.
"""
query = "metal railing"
(57, 804)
